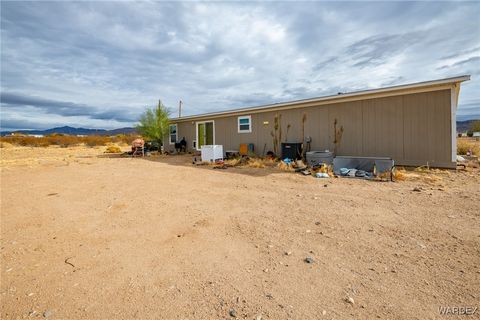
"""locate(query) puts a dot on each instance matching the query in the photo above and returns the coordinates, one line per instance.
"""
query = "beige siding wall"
(413, 129)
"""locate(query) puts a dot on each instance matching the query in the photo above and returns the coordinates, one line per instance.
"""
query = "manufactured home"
(414, 124)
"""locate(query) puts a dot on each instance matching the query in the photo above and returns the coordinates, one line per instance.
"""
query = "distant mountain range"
(74, 131)
(463, 126)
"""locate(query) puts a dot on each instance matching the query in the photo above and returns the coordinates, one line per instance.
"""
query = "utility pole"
(180, 109)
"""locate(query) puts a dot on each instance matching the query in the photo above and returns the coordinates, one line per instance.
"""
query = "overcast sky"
(100, 64)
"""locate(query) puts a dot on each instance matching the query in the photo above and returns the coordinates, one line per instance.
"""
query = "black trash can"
(292, 150)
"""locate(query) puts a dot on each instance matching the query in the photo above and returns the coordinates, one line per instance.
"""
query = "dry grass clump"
(423, 173)
(250, 162)
(255, 163)
(432, 179)
(233, 162)
(261, 162)
(466, 144)
(113, 149)
(93, 141)
(285, 167)
(462, 147)
(399, 174)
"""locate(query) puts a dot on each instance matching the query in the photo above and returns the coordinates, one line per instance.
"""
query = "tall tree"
(153, 123)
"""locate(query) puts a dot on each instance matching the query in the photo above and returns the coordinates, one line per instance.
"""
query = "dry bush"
(56, 140)
(93, 141)
(399, 174)
(462, 146)
(26, 141)
(113, 149)
(285, 167)
(250, 162)
(255, 163)
(465, 144)
(324, 168)
(233, 162)
(59, 140)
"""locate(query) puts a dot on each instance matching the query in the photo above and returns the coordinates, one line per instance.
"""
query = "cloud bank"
(99, 64)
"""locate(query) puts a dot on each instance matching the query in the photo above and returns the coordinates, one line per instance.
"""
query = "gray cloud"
(67, 109)
(101, 63)
(461, 53)
(375, 50)
(473, 60)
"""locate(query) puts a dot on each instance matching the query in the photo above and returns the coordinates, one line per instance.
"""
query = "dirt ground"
(84, 236)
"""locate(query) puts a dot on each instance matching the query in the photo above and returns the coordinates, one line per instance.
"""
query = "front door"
(205, 134)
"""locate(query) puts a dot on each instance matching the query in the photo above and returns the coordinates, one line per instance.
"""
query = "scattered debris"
(47, 313)
(421, 245)
(66, 261)
(308, 260)
(322, 175)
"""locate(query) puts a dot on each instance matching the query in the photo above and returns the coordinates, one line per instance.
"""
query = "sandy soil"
(91, 237)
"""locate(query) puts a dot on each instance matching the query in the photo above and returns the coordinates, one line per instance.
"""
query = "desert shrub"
(399, 174)
(255, 163)
(61, 140)
(113, 149)
(462, 146)
(466, 144)
(56, 140)
(250, 162)
(233, 162)
(285, 167)
(93, 141)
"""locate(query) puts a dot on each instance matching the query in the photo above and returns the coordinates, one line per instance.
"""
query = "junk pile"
(319, 170)
(380, 168)
(322, 164)
(468, 160)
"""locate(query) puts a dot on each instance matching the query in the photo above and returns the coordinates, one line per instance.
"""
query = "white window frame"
(196, 132)
(170, 135)
(249, 124)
